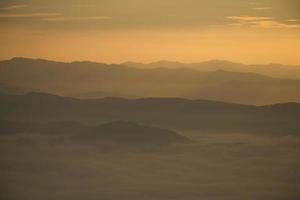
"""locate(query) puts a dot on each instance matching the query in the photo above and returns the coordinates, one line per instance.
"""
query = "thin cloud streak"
(28, 15)
(248, 18)
(12, 7)
(77, 18)
(263, 8)
(262, 22)
(273, 24)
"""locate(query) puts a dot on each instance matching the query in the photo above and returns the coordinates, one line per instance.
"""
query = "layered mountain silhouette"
(275, 70)
(97, 80)
(130, 132)
(173, 113)
(122, 132)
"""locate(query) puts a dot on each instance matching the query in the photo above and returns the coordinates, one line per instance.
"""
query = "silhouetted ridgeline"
(172, 113)
(97, 80)
(273, 69)
(121, 132)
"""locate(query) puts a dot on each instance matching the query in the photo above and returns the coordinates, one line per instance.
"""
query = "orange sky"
(243, 31)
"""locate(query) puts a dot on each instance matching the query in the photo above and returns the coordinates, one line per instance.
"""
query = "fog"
(215, 166)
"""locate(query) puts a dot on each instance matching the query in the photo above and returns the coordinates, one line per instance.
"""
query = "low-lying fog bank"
(213, 167)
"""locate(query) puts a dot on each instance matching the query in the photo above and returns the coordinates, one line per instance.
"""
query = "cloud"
(52, 17)
(273, 24)
(263, 8)
(248, 18)
(262, 22)
(28, 15)
(77, 18)
(12, 7)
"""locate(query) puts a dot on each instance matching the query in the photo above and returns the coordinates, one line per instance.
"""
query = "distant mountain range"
(171, 113)
(274, 70)
(210, 80)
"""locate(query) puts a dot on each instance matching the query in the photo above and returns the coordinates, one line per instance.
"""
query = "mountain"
(97, 80)
(117, 131)
(173, 113)
(130, 132)
(274, 70)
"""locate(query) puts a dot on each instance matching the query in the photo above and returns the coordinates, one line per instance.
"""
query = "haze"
(149, 100)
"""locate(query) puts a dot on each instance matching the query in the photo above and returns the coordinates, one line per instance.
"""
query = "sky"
(114, 31)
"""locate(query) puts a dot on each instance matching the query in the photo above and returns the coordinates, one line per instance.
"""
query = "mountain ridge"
(96, 80)
(123, 132)
(170, 113)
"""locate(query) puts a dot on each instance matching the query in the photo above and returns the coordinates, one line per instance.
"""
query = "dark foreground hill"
(119, 132)
(98, 80)
(162, 112)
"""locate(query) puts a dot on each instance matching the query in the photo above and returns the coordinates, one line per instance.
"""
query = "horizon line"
(145, 63)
